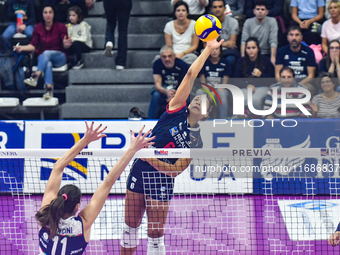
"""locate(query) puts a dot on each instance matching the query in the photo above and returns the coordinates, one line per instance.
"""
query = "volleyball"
(208, 27)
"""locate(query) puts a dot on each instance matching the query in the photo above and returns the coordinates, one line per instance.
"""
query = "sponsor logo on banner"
(313, 219)
(86, 153)
(161, 152)
(8, 153)
(324, 152)
(332, 152)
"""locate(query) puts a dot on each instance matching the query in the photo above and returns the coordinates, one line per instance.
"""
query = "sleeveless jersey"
(69, 241)
(171, 131)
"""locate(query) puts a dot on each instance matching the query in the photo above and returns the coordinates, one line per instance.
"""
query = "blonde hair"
(337, 2)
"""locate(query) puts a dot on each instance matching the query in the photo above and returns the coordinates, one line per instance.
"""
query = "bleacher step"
(108, 93)
(135, 59)
(135, 41)
(100, 110)
(111, 76)
(137, 25)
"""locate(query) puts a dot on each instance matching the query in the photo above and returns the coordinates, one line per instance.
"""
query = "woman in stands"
(331, 27)
(180, 34)
(151, 181)
(50, 41)
(252, 66)
(62, 232)
(326, 104)
(330, 63)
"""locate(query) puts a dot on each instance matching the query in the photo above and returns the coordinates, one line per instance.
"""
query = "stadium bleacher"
(100, 91)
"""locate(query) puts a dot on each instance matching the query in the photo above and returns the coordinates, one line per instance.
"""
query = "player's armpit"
(169, 169)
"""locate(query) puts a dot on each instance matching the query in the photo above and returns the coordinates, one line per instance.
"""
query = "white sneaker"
(108, 49)
(119, 67)
(31, 81)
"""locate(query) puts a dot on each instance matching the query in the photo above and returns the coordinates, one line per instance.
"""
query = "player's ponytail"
(49, 216)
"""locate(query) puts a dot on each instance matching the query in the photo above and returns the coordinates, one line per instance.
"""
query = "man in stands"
(298, 57)
(230, 30)
(168, 73)
(274, 7)
(264, 29)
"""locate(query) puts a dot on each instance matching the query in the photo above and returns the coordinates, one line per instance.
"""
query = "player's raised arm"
(91, 211)
(184, 88)
(55, 178)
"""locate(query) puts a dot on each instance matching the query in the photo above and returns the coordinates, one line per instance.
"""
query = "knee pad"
(130, 237)
(156, 246)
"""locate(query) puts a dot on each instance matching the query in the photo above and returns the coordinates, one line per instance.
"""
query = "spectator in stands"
(331, 28)
(117, 10)
(287, 79)
(262, 27)
(26, 8)
(196, 7)
(50, 41)
(254, 65)
(298, 57)
(274, 7)
(168, 73)
(236, 7)
(330, 63)
(216, 71)
(306, 14)
(180, 34)
(326, 104)
(327, 14)
(79, 35)
(230, 30)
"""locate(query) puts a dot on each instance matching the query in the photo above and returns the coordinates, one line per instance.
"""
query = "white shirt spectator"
(195, 6)
(180, 42)
(330, 31)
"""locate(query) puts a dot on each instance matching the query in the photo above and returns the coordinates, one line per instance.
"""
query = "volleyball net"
(230, 201)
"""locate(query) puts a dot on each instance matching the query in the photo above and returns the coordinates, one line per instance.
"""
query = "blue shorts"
(145, 179)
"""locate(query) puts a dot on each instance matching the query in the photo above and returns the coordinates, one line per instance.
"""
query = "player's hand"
(93, 134)
(140, 141)
(214, 44)
(334, 239)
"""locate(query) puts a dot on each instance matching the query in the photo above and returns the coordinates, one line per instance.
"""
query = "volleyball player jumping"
(61, 231)
(151, 181)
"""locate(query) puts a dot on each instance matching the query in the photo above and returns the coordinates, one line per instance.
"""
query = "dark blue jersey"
(69, 241)
(171, 131)
(214, 73)
(298, 61)
(171, 76)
